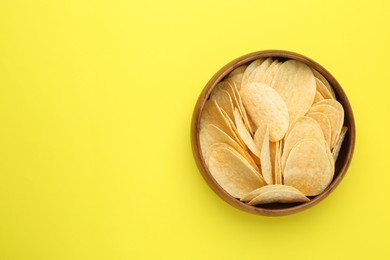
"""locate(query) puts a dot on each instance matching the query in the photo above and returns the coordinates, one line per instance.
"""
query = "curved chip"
(248, 72)
(303, 128)
(237, 74)
(238, 70)
(273, 187)
(210, 134)
(224, 100)
(261, 140)
(277, 194)
(270, 73)
(232, 171)
(296, 84)
(324, 123)
(333, 116)
(257, 74)
(308, 168)
(278, 163)
(244, 134)
(265, 105)
(325, 82)
(337, 147)
(317, 97)
(340, 111)
(213, 114)
(323, 90)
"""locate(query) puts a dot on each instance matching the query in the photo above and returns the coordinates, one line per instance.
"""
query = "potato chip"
(322, 89)
(333, 117)
(318, 97)
(212, 114)
(261, 140)
(232, 171)
(248, 72)
(258, 73)
(337, 147)
(340, 112)
(273, 187)
(282, 196)
(331, 160)
(295, 83)
(308, 168)
(241, 107)
(244, 134)
(276, 164)
(281, 144)
(237, 74)
(229, 86)
(233, 127)
(278, 194)
(265, 105)
(237, 71)
(338, 107)
(272, 153)
(271, 72)
(222, 97)
(325, 82)
(211, 134)
(303, 128)
(324, 123)
(236, 79)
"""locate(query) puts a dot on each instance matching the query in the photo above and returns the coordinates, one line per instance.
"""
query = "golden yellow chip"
(248, 72)
(323, 90)
(237, 74)
(229, 86)
(271, 72)
(296, 84)
(257, 74)
(318, 97)
(325, 82)
(261, 140)
(232, 171)
(211, 134)
(324, 123)
(337, 147)
(244, 134)
(237, 71)
(332, 114)
(272, 153)
(308, 168)
(278, 165)
(273, 187)
(278, 194)
(340, 112)
(213, 114)
(222, 97)
(303, 128)
(265, 105)
(241, 107)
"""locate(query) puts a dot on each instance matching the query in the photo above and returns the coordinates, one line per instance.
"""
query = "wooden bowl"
(275, 209)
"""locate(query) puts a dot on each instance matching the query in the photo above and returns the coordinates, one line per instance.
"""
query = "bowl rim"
(195, 129)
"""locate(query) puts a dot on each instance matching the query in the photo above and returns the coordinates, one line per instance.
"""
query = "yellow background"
(96, 99)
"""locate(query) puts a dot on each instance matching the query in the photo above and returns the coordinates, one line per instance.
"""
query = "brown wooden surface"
(342, 163)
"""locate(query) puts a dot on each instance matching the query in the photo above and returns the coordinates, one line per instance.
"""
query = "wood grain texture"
(342, 164)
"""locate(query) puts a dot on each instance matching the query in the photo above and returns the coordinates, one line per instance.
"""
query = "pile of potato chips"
(271, 132)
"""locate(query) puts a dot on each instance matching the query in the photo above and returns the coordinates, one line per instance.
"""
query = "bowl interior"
(342, 162)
